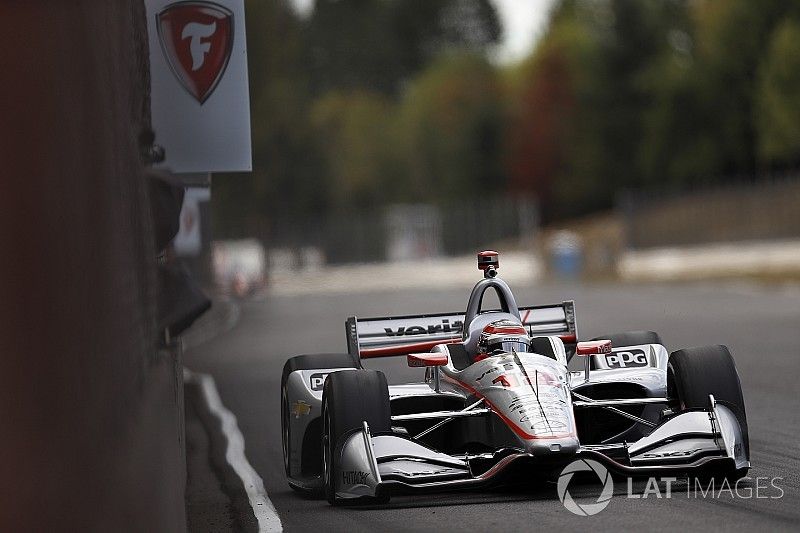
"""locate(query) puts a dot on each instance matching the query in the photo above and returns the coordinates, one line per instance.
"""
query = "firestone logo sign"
(197, 39)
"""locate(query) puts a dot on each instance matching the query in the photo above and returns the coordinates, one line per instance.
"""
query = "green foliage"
(368, 102)
(377, 45)
(351, 129)
(778, 102)
(449, 131)
(286, 175)
(577, 136)
(541, 132)
(654, 95)
(328, 97)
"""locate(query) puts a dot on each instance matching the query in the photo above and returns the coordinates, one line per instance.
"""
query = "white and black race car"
(514, 413)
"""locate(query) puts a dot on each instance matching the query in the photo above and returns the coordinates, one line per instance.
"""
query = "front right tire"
(310, 461)
(348, 400)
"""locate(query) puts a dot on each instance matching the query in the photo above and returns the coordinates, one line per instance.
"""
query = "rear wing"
(401, 335)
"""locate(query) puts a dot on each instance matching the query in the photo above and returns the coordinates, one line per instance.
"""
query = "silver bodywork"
(533, 395)
(375, 465)
(530, 392)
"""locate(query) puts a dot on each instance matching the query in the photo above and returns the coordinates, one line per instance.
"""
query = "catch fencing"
(401, 231)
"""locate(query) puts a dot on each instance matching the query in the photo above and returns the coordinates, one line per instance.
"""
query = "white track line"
(268, 519)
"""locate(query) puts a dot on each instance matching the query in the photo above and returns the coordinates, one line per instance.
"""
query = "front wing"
(375, 466)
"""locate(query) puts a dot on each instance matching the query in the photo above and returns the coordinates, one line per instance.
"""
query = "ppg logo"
(317, 381)
(628, 359)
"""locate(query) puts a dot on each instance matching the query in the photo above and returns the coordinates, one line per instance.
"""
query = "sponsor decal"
(673, 453)
(504, 327)
(541, 426)
(355, 477)
(506, 380)
(490, 371)
(432, 471)
(444, 327)
(300, 408)
(196, 38)
(626, 359)
(545, 415)
(426, 359)
(317, 381)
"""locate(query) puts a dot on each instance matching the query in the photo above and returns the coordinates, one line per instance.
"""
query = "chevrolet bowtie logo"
(300, 408)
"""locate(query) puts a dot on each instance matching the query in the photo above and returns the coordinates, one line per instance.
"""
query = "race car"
(498, 403)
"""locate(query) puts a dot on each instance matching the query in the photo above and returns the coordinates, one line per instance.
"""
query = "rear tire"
(304, 362)
(632, 338)
(349, 399)
(695, 373)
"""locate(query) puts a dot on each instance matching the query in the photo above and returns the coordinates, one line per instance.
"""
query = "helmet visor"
(509, 346)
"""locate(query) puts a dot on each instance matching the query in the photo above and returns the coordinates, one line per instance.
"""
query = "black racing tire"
(304, 362)
(632, 338)
(349, 399)
(695, 373)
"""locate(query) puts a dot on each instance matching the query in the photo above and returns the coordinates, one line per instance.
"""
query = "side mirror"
(587, 348)
(416, 360)
(593, 347)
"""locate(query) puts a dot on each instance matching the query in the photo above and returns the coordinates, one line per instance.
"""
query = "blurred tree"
(702, 124)
(726, 64)
(374, 101)
(286, 175)
(581, 103)
(450, 131)
(377, 45)
(778, 98)
(349, 46)
(324, 93)
(542, 112)
(676, 145)
(356, 145)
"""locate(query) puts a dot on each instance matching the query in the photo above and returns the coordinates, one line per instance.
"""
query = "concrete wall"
(90, 411)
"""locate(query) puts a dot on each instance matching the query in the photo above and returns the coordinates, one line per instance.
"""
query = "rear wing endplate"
(402, 335)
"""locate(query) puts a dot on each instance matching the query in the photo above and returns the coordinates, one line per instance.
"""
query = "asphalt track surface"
(760, 325)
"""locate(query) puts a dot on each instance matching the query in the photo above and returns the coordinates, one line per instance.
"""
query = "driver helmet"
(504, 336)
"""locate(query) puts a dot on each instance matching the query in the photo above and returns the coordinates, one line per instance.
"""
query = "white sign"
(200, 99)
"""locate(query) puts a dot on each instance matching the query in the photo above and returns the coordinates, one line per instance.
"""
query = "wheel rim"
(672, 389)
(326, 452)
(285, 430)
